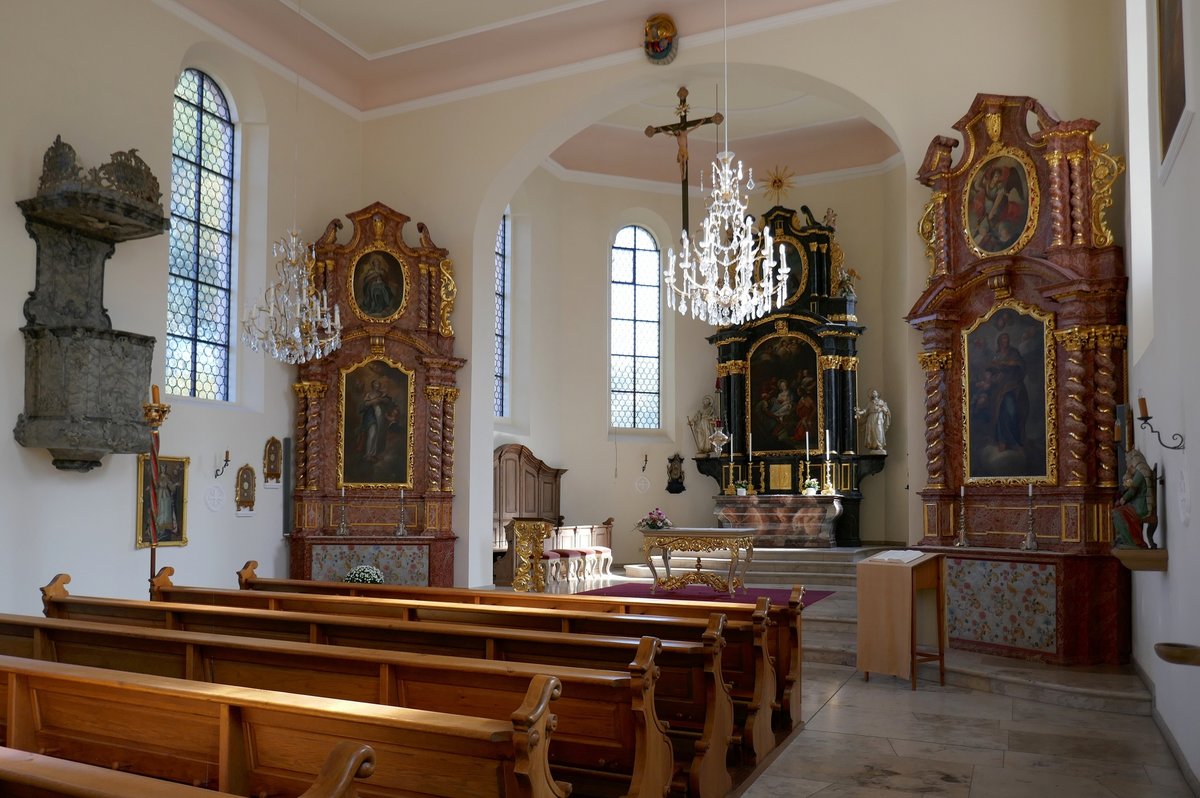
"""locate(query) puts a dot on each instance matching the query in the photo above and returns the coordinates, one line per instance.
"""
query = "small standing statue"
(1136, 505)
(876, 417)
(703, 424)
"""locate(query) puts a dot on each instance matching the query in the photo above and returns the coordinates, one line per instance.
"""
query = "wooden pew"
(746, 663)
(28, 775)
(784, 639)
(691, 695)
(262, 742)
(608, 740)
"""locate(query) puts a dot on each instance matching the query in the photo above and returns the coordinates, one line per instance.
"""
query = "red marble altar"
(782, 520)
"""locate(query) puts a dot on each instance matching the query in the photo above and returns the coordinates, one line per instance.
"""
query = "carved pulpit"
(375, 419)
(1023, 336)
(787, 382)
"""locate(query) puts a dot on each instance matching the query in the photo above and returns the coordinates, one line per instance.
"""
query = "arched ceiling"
(377, 57)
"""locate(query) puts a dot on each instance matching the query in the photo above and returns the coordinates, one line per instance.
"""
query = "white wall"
(102, 75)
(1165, 603)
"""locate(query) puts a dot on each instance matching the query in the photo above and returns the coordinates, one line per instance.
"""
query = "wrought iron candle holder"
(1175, 437)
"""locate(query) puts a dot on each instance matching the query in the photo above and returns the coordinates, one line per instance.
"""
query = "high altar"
(374, 432)
(785, 382)
(1023, 334)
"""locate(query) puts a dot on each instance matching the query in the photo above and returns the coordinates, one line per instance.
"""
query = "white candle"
(343, 492)
(750, 446)
(962, 491)
(1031, 490)
(806, 446)
(827, 445)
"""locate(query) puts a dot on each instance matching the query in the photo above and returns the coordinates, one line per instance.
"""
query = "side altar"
(374, 434)
(1022, 324)
(788, 387)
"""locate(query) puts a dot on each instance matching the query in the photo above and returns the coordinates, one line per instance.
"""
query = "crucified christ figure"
(680, 131)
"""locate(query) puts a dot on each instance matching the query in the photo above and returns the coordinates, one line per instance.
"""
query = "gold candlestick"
(156, 413)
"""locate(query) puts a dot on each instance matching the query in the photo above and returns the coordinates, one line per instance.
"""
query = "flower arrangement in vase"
(364, 575)
(741, 486)
(811, 486)
(655, 519)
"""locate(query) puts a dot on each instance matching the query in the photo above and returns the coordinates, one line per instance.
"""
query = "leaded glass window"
(500, 355)
(634, 329)
(201, 241)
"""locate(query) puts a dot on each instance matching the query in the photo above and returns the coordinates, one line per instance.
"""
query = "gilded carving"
(309, 390)
(843, 317)
(528, 537)
(926, 232)
(449, 292)
(781, 325)
(1105, 171)
(934, 361)
(992, 121)
(731, 367)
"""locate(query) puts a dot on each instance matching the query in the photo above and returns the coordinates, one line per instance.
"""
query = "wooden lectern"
(887, 613)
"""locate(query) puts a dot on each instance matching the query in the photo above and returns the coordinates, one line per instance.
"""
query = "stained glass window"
(200, 254)
(500, 356)
(634, 329)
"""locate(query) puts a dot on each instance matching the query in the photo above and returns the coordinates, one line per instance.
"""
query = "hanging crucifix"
(680, 131)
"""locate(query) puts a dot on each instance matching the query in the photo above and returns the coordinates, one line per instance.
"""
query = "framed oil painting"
(783, 395)
(1172, 70)
(1008, 393)
(377, 286)
(172, 501)
(375, 438)
(1000, 204)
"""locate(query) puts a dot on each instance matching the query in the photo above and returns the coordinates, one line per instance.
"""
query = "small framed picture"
(272, 461)
(166, 497)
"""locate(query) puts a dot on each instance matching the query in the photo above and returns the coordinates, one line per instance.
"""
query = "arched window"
(635, 321)
(201, 240)
(500, 396)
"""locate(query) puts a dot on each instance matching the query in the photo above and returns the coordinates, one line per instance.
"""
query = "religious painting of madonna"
(378, 286)
(1006, 393)
(783, 395)
(171, 492)
(376, 431)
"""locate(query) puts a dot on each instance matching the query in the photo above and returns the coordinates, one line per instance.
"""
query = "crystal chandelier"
(726, 278)
(292, 322)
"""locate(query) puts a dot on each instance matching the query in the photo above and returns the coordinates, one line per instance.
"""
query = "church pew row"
(691, 696)
(784, 638)
(746, 665)
(608, 739)
(261, 742)
(24, 774)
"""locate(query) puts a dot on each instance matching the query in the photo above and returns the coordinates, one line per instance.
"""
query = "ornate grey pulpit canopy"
(84, 381)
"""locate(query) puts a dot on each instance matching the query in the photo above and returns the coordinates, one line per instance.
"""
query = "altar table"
(699, 539)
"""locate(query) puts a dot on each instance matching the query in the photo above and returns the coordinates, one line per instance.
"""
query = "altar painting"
(784, 395)
(376, 430)
(1009, 425)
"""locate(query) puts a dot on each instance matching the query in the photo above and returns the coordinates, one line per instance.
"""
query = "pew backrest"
(24, 774)
(247, 741)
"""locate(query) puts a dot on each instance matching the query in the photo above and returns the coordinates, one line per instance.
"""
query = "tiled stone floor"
(883, 740)
(1089, 737)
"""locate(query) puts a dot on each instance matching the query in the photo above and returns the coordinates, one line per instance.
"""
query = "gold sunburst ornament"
(779, 182)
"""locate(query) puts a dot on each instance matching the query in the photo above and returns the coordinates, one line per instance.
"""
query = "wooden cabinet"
(522, 487)
(888, 608)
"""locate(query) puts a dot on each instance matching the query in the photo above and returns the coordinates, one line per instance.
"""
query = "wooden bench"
(28, 775)
(608, 740)
(691, 695)
(784, 638)
(747, 666)
(262, 742)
